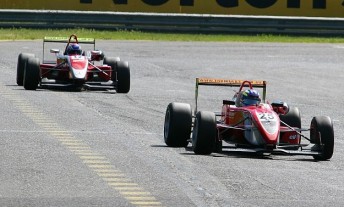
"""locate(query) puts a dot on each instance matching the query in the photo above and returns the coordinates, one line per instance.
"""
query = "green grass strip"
(33, 34)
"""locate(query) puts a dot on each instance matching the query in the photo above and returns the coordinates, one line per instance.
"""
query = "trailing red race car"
(247, 123)
(73, 68)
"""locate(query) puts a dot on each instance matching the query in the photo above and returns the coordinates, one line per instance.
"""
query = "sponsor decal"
(316, 8)
(227, 81)
(317, 4)
(293, 137)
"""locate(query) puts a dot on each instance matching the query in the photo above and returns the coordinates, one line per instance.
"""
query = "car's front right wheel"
(22, 59)
(204, 133)
(322, 135)
(31, 74)
(123, 77)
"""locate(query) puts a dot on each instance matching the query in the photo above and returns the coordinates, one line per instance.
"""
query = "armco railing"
(172, 22)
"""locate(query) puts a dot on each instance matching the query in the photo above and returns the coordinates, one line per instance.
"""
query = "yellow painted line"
(109, 175)
(25, 107)
(96, 162)
(98, 166)
(49, 128)
(130, 190)
(148, 203)
(67, 139)
(59, 132)
(113, 180)
(73, 143)
(84, 153)
(117, 184)
(30, 111)
(92, 157)
(61, 136)
(134, 193)
(79, 147)
(139, 198)
(46, 123)
(106, 170)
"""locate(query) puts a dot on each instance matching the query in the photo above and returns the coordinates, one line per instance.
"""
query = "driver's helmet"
(249, 97)
(74, 49)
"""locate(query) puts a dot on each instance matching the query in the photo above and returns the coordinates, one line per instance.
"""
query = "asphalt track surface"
(89, 148)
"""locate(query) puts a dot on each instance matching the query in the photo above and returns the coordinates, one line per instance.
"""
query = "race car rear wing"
(90, 41)
(230, 83)
(66, 39)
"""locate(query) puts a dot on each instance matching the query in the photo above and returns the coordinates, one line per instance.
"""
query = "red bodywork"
(262, 118)
(257, 125)
(49, 71)
(74, 68)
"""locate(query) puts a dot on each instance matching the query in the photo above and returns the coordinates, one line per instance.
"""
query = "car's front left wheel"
(177, 126)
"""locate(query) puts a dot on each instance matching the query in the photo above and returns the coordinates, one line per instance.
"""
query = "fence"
(172, 22)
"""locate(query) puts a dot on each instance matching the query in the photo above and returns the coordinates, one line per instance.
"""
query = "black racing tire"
(22, 58)
(32, 74)
(123, 77)
(177, 126)
(322, 135)
(293, 119)
(204, 133)
(217, 144)
(112, 61)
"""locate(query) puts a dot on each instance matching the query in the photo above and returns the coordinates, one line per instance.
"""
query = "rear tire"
(322, 135)
(217, 144)
(293, 119)
(32, 74)
(204, 133)
(22, 59)
(123, 77)
(112, 61)
(177, 127)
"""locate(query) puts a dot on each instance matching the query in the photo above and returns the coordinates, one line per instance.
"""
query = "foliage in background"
(32, 34)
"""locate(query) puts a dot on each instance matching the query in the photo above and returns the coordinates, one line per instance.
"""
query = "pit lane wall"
(310, 8)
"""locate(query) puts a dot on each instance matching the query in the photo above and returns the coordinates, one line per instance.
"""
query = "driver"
(73, 49)
(248, 97)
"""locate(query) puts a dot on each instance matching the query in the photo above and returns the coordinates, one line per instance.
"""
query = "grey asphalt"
(123, 133)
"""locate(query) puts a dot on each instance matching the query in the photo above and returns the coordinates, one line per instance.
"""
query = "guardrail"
(172, 22)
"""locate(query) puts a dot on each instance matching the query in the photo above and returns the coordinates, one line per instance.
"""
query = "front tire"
(32, 74)
(22, 59)
(123, 77)
(204, 133)
(322, 135)
(177, 126)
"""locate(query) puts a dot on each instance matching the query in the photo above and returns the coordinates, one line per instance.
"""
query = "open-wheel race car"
(247, 123)
(73, 68)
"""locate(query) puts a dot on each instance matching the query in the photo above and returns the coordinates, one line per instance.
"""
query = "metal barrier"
(172, 22)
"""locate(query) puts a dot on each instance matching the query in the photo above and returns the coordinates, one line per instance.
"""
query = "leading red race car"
(73, 68)
(247, 123)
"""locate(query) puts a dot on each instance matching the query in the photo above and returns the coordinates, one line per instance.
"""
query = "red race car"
(247, 123)
(73, 68)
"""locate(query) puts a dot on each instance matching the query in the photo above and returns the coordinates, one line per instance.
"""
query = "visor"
(249, 102)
